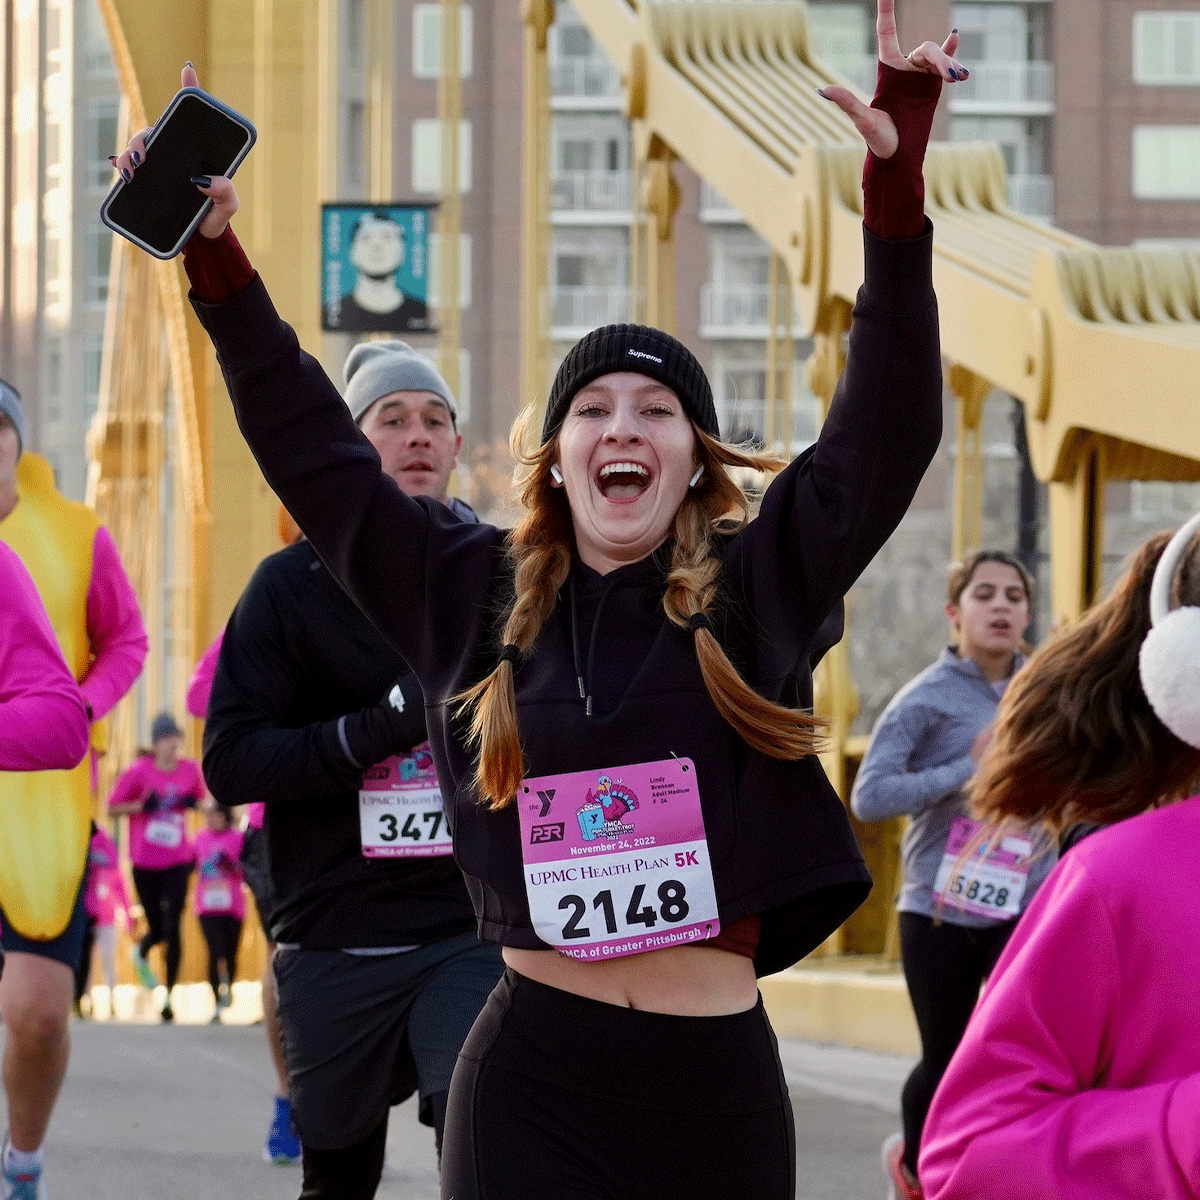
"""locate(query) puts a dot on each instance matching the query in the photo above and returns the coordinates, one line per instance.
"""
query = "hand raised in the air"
(876, 126)
(217, 187)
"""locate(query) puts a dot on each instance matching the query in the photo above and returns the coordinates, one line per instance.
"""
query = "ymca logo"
(602, 811)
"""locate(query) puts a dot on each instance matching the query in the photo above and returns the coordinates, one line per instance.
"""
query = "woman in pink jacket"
(43, 717)
(1079, 1075)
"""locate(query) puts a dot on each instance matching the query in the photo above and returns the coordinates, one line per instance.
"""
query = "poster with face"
(375, 268)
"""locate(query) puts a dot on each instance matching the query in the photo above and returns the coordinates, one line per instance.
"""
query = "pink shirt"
(1079, 1075)
(160, 839)
(200, 686)
(106, 893)
(219, 884)
(43, 721)
(115, 630)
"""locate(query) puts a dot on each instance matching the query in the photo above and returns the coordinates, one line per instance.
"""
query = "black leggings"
(162, 894)
(562, 1097)
(945, 966)
(353, 1172)
(222, 933)
(83, 972)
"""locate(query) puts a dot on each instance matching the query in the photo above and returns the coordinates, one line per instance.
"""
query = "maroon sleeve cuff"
(217, 268)
(894, 188)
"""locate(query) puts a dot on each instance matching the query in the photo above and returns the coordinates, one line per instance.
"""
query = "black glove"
(393, 726)
(152, 803)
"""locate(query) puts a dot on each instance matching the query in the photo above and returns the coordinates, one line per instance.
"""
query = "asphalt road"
(153, 1112)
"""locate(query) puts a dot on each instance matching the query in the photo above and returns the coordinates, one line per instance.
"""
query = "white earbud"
(695, 479)
(1169, 660)
(556, 475)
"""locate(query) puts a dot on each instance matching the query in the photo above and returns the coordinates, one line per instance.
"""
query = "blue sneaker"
(25, 1186)
(283, 1143)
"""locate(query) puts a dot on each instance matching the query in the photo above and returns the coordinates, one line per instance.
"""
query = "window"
(427, 41)
(1166, 48)
(356, 34)
(98, 248)
(354, 146)
(102, 140)
(1166, 162)
(463, 395)
(97, 48)
(52, 379)
(57, 259)
(427, 155)
(1159, 501)
(93, 354)
(574, 41)
(464, 270)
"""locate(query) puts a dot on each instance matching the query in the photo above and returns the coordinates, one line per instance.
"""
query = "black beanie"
(632, 348)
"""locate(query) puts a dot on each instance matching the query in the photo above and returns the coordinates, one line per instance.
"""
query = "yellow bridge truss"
(1101, 345)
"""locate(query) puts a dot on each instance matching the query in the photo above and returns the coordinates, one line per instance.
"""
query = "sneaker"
(25, 1186)
(283, 1143)
(168, 1013)
(224, 996)
(902, 1186)
(146, 976)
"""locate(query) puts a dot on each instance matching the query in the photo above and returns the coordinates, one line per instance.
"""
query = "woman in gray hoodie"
(957, 907)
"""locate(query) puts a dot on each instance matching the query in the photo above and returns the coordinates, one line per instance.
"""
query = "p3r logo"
(547, 833)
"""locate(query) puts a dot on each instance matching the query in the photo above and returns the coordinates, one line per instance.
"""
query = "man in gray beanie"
(379, 972)
(406, 409)
(12, 444)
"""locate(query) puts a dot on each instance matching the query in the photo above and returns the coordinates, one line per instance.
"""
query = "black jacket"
(779, 837)
(294, 716)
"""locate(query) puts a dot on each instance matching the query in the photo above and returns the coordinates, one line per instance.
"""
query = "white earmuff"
(695, 479)
(556, 475)
(1169, 660)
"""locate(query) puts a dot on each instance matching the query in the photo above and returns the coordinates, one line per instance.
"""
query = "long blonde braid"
(541, 547)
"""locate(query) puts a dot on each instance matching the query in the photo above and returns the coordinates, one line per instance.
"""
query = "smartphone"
(160, 208)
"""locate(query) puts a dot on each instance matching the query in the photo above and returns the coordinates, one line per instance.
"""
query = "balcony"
(715, 209)
(585, 83)
(1022, 88)
(734, 310)
(1032, 195)
(591, 197)
(578, 309)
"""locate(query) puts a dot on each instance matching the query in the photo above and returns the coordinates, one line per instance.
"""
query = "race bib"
(400, 810)
(166, 832)
(216, 896)
(991, 882)
(616, 862)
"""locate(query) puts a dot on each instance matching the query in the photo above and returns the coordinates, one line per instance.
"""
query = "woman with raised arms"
(618, 694)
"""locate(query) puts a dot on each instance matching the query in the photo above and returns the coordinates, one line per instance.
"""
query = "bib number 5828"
(672, 908)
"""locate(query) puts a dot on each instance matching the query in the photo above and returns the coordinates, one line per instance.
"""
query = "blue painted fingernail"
(126, 174)
(189, 64)
(955, 29)
(953, 73)
(202, 180)
(963, 72)
(137, 159)
(112, 158)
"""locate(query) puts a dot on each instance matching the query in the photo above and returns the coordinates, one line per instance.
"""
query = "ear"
(952, 614)
(556, 475)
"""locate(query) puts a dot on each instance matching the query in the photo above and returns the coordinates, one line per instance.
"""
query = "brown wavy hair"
(1076, 739)
(540, 548)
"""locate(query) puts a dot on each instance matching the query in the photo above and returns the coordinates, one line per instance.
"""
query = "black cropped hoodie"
(780, 841)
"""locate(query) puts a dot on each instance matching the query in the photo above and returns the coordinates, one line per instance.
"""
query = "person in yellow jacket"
(45, 816)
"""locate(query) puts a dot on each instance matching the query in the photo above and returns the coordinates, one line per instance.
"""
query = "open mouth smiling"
(622, 481)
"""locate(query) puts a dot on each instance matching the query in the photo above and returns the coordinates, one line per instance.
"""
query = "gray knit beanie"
(10, 406)
(375, 369)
